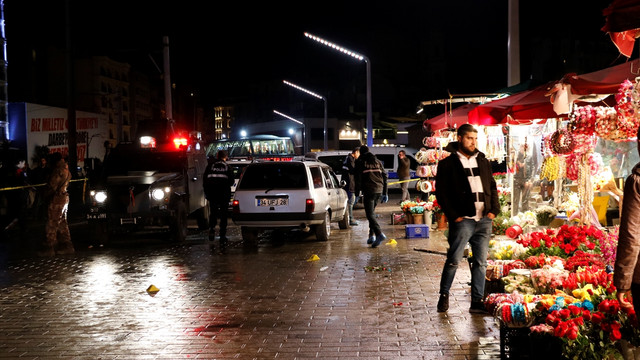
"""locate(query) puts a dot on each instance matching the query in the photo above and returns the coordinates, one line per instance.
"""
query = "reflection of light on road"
(102, 280)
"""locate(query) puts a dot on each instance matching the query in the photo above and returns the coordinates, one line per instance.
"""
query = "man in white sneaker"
(467, 193)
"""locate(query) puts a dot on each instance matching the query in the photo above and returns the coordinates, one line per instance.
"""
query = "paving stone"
(262, 303)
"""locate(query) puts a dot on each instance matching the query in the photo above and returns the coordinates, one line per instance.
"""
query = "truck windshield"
(124, 162)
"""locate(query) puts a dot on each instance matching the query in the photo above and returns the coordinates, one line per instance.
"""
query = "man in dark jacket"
(371, 179)
(218, 179)
(626, 274)
(348, 175)
(467, 193)
(404, 174)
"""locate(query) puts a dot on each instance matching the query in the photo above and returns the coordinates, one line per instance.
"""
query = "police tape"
(36, 185)
(402, 181)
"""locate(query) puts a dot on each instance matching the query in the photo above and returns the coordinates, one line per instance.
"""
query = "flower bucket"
(418, 218)
(428, 218)
(441, 220)
(408, 217)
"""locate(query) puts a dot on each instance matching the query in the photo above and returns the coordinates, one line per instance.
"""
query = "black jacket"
(348, 171)
(370, 175)
(217, 182)
(453, 191)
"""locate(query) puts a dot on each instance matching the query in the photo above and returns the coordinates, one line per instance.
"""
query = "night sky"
(419, 50)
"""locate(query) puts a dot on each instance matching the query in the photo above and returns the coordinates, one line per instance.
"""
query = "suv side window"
(331, 183)
(316, 176)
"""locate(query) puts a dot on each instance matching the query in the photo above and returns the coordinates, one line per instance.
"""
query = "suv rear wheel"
(324, 230)
(344, 222)
(249, 236)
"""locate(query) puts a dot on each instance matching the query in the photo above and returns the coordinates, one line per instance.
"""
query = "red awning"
(455, 118)
(605, 81)
(591, 87)
(623, 24)
(520, 108)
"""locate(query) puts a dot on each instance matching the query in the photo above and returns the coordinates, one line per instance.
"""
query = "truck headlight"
(99, 196)
(159, 194)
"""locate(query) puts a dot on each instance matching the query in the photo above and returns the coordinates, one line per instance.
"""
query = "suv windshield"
(121, 161)
(275, 175)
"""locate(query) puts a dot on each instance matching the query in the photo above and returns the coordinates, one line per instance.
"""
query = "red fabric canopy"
(623, 24)
(455, 118)
(606, 81)
(520, 108)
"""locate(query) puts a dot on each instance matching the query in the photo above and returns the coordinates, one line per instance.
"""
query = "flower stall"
(557, 295)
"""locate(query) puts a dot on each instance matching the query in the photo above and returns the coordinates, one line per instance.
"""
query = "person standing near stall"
(626, 274)
(468, 195)
(404, 174)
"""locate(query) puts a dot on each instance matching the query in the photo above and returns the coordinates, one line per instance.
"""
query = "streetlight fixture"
(304, 138)
(325, 145)
(368, 63)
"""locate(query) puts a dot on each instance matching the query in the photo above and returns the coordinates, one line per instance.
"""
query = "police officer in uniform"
(218, 179)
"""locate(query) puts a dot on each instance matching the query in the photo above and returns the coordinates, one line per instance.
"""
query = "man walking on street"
(371, 179)
(218, 179)
(467, 193)
(348, 175)
(404, 174)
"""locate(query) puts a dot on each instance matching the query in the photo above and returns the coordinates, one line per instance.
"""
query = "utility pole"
(4, 99)
(167, 82)
(71, 99)
(513, 44)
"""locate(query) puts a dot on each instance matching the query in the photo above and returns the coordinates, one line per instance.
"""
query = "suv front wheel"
(324, 230)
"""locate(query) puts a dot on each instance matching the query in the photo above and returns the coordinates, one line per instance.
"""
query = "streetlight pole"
(304, 128)
(325, 145)
(368, 64)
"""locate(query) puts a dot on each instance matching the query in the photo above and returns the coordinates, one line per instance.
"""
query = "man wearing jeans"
(371, 179)
(348, 175)
(467, 193)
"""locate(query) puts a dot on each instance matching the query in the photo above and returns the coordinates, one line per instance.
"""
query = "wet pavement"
(354, 302)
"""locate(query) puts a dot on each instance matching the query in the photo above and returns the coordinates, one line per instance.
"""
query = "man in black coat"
(218, 179)
(371, 179)
(348, 175)
(467, 193)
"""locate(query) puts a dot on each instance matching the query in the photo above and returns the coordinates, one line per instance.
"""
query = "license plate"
(96, 216)
(272, 202)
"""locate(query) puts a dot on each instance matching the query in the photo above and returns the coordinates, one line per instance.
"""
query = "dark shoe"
(212, 236)
(223, 241)
(371, 239)
(379, 239)
(353, 223)
(65, 251)
(477, 307)
(47, 253)
(443, 303)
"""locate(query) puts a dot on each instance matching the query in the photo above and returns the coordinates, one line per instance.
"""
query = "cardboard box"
(417, 231)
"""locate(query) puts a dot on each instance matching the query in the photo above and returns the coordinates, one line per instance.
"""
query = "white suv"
(302, 194)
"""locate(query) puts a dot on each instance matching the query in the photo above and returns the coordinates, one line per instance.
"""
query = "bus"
(256, 147)
(265, 147)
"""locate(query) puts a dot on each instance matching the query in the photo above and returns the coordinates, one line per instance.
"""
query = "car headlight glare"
(157, 194)
(99, 196)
